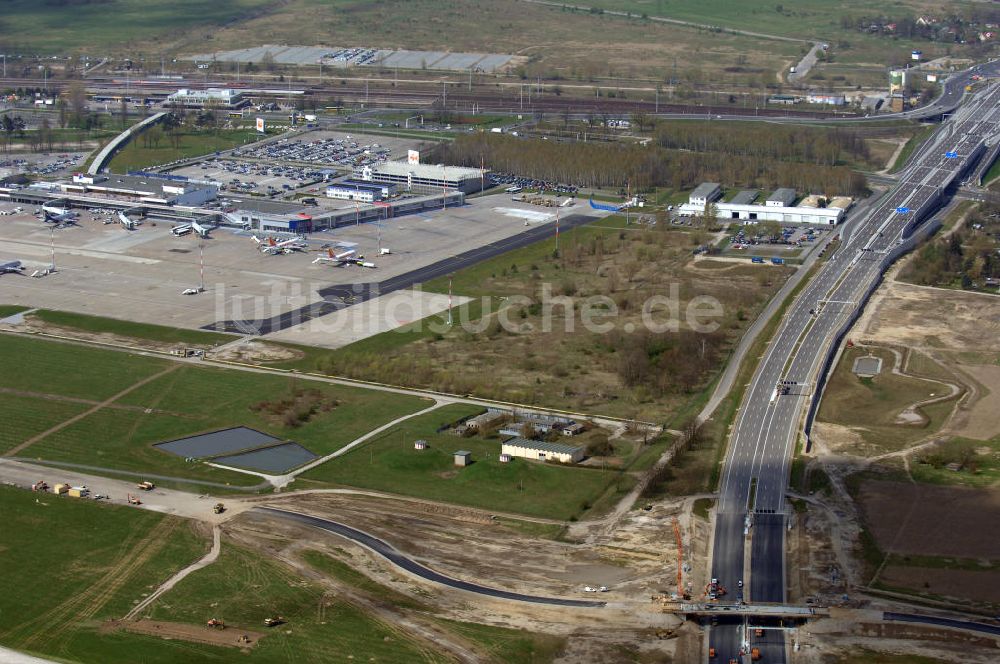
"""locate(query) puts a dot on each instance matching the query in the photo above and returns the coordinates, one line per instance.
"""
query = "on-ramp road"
(390, 553)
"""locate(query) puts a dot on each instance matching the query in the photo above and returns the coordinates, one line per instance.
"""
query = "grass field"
(870, 405)
(96, 560)
(11, 309)
(125, 328)
(503, 645)
(184, 401)
(911, 145)
(979, 463)
(554, 42)
(549, 354)
(243, 587)
(797, 19)
(135, 155)
(389, 463)
(24, 417)
(33, 27)
(69, 370)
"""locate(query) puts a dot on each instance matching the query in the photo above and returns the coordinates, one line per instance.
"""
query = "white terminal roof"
(429, 171)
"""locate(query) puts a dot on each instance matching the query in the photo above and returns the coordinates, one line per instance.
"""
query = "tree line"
(612, 166)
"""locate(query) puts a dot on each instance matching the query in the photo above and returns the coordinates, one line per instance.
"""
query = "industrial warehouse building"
(218, 97)
(542, 451)
(424, 178)
(776, 207)
(356, 190)
(143, 188)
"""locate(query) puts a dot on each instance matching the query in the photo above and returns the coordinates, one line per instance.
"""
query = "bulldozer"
(274, 621)
(215, 623)
(145, 486)
(219, 508)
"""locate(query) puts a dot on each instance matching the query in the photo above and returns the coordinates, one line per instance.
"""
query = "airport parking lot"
(105, 270)
(329, 149)
(246, 177)
(41, 164)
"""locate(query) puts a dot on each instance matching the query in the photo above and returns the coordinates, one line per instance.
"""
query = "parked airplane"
(335, 259)
(273, 248)
(59, 219)
(12, 266)
(57, 211)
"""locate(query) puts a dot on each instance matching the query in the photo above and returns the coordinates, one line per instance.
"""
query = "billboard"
(260, 125)
(413, 157)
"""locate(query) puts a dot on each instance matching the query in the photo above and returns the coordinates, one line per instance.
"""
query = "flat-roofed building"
(783, 197)
(143, 188)
(705, 193)
(425, 178)
(218, 97)
(540, 450)
(745, 197)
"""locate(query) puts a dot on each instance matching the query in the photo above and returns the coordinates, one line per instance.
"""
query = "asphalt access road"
(387, 551)
(943, 622)
(341, 296)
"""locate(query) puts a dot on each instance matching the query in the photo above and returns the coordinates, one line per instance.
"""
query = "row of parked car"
(512, 180)
(330, 151)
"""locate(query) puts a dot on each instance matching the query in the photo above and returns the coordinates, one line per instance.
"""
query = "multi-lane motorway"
(777, 401)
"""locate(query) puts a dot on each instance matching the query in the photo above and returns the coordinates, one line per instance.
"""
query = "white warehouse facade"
(829, 216)
(542, 451)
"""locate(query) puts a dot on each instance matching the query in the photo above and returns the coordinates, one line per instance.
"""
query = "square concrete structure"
(783, 197)
(705, 193)
(745, 197)
(463, 458)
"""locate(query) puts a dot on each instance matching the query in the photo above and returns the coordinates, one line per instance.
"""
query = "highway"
(788, 381)
(387, 551)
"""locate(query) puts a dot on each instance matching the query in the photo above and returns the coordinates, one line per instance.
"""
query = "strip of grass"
(911, 145)
(511, 646)
(83, 550)
(11, 309)
(340, 570)
(505, 645)
(390, 463)
(243, 588)
(702, 507)
(136, 156)
(125, 328)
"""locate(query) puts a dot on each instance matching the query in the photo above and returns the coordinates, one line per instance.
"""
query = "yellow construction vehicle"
(215, 623)
(219, 508)
(145, 486)
(273, 621)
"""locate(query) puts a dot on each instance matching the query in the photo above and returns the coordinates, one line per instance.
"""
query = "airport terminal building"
(144, 188)
(424, 178)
